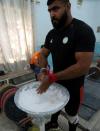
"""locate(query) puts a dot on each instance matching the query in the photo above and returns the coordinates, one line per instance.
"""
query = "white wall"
(88, 12)
(42, 22)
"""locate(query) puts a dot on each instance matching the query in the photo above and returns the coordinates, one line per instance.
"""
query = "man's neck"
(68, 22)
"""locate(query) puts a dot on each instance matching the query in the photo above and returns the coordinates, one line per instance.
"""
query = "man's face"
(58, 14)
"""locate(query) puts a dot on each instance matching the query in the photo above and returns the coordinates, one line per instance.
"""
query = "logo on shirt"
(51, 41)
(65, 40)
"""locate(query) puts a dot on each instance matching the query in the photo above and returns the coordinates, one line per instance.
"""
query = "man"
(71, 44)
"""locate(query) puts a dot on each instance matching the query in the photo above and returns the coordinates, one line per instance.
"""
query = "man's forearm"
(71, 72)
(81, 67)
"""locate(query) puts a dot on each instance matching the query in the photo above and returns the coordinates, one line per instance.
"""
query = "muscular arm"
(45, 51)
(42, 60)
(80, 68)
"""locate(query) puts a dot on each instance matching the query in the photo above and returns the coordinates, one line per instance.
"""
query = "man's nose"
(52, 13)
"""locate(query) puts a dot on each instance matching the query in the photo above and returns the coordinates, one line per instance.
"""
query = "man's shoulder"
(51, 33)
(82, 28)
(81, 25)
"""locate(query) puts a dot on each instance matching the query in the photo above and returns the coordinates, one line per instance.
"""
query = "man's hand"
(41, 76)
(43, 73)
(44, 85)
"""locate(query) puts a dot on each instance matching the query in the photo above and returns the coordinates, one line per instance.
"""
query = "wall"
(89, 12)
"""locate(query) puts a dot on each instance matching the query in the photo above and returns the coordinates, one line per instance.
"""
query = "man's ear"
(68, 5)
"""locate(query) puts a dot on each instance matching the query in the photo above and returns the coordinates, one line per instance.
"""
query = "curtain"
(16, 34)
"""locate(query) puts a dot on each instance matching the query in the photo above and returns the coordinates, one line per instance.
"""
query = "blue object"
(37, 70)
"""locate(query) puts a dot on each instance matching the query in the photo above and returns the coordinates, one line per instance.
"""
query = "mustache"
(53, 18)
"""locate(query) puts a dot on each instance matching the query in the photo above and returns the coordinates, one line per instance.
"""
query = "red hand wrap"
(52, 77)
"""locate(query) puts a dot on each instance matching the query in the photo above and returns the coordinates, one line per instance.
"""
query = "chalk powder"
(52, 99)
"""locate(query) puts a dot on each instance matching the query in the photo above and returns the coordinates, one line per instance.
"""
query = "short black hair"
(49, 2)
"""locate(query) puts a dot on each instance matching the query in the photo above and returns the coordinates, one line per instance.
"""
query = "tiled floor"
(7, 125)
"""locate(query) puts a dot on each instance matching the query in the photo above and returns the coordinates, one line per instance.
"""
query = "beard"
(59, 23)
